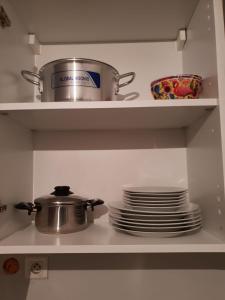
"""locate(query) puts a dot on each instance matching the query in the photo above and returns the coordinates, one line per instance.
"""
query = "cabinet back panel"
(109, 139)
(98, 163)
(101, 173)
(149, 60)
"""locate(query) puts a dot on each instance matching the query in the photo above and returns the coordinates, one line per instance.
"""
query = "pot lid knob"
(63, 190)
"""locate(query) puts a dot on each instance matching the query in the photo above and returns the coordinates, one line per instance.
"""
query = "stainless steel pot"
(77, 79)
(62, 211)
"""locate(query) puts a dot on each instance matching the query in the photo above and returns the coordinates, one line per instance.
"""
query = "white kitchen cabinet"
(97, 147)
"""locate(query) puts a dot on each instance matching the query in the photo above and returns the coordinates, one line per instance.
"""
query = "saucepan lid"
(62, 196)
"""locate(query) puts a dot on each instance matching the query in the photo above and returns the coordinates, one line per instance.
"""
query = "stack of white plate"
(155, 211)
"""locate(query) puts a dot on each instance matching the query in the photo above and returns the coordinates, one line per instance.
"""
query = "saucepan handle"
(130, 74)
(28, 76)
(94, 202)
(30, 207)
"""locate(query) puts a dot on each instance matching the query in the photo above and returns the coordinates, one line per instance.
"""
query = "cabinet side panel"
(205, 51)
(220, 47)
(15, 55)
(199, 54)
(205, 170)
(16, 161)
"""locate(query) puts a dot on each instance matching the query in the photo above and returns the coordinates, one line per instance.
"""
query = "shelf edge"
(160, 249)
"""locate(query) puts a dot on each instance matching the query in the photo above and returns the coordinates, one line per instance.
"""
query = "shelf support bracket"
(181, 39)
(34, 43)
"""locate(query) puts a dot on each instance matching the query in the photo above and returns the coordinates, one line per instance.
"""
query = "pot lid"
(62, 195)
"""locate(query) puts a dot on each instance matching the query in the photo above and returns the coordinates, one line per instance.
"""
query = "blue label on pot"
(76, 78)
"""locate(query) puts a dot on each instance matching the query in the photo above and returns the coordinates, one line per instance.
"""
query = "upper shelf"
(73, 21)
(135, 114)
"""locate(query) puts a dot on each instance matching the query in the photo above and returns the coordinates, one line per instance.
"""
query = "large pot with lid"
(78, 79)
(61, 211)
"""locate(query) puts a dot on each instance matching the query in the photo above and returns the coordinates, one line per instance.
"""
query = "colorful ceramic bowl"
(186, 86)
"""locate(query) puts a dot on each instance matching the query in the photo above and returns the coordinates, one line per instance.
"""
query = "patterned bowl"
(177, 87)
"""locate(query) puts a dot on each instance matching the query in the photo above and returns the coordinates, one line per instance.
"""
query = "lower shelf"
(102, 238)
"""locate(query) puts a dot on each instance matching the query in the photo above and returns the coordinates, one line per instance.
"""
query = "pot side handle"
(28, 75)
(94, 202)
(25, 206)
(132, 74)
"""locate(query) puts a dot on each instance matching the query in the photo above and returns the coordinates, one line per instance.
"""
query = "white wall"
(98, 163)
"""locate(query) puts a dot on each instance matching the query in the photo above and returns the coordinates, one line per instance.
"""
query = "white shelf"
(102, 238)
(134, 114)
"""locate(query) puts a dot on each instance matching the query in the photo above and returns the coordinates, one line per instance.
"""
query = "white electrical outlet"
(36, 267)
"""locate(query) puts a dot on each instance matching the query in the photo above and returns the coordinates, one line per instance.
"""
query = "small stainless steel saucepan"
(61, 211)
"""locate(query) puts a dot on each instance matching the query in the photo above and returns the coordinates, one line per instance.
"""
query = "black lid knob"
(63, 190)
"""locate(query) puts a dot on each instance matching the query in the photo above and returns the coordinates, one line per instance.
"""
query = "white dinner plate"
(158, 218)
(165, 204)
(157, 214)
(157, 234)
(159, 224)
(157, 208)
(154, 218)
(155, 228)
(140, 203)
(120, 206)
(155, 197)
(144, 202)
(178, 220)
(154, 189)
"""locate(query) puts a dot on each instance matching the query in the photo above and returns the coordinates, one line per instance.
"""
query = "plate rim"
(159, 227)
(163, 220)
(171, 189)
(156, 234)
(160, 224)
(195, 206)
